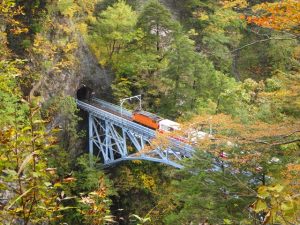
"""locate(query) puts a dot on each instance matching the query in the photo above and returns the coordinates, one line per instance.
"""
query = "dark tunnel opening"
(84, 93)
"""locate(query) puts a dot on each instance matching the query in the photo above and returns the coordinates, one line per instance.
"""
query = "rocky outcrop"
(91, 74)
(65, 63)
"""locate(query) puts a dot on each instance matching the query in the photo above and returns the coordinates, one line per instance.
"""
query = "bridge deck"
(112, 114)
(115, 118)
(107, 108)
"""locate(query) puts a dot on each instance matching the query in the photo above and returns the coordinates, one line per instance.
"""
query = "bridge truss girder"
(114, 143)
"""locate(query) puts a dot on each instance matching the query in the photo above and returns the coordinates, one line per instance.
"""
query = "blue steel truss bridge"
(114, 137)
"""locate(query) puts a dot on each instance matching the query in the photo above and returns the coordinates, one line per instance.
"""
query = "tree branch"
(259, 41)
(285, 142)
(294, 132)
(275, 143)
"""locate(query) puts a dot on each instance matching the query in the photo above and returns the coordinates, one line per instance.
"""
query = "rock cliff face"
(84, 68)
(174, 6)
(66, 63)
(87, 71)
(91, 74)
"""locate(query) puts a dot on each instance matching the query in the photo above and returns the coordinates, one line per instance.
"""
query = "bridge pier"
(91, 143)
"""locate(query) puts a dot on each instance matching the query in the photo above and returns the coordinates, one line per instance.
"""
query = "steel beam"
(110, 135)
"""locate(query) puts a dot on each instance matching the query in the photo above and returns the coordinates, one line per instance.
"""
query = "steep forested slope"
(228, 68)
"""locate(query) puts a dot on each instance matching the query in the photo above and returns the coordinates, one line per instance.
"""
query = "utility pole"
(139, 97)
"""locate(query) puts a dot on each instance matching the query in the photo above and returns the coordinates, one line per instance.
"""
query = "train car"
(155, 122)
(166, 125)
(147, 119)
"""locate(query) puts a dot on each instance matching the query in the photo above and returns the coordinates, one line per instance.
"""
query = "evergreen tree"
(114, 29)
(158, 27)
(179, 77)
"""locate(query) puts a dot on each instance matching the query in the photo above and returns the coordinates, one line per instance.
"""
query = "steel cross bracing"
(116, 138)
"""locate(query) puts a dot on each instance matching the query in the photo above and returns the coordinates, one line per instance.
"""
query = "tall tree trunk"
(157, 38)
(234, 69)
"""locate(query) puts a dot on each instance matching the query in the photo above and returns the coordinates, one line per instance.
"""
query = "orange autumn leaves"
(283, 15)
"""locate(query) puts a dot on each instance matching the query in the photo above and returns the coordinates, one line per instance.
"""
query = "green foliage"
(157, 24)
(281, 54)
(24, 143)
(261, 60)
(121, 88)
(181, 69)
(67, 7)
(221, 35)
(62, 112)
(90, 191)
(95, 190)
(204, 190)
(179, 77)
(65, 109)
(87, 176)
(278, 202)
(33, 164)
(114, 29)
(140, 186)
(134, 52)
(243, 173)
(9, 91)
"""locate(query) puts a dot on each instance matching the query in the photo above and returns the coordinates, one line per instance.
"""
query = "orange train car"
(147, 119)
(155, 122)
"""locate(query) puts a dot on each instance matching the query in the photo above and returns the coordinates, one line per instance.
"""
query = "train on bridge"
(113, 128)
(141, 117)
(154, 122)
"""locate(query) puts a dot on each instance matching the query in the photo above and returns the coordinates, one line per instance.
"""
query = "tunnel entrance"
(84, 93)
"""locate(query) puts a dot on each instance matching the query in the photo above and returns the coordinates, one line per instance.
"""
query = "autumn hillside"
(227, 70)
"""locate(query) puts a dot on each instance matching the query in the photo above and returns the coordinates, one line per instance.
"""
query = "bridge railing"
(188, 149)
(122, 122)
(136, 128)
(113, 107)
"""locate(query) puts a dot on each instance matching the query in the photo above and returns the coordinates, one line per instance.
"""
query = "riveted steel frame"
(117, 139)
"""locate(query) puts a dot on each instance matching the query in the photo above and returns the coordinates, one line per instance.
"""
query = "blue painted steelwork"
(111, 134)
(113, 107)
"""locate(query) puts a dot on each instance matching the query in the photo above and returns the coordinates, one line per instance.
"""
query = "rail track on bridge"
(115, 137)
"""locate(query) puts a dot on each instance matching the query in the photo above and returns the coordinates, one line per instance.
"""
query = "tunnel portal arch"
(84, 93)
